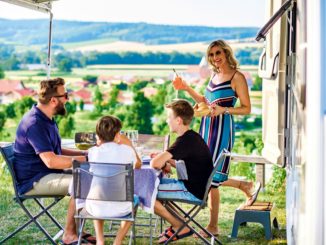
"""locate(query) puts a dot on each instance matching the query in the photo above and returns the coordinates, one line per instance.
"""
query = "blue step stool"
(259, 212)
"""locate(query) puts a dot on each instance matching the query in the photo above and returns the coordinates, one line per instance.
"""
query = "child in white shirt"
(112, 147)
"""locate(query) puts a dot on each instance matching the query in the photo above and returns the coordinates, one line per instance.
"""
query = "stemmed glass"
(174, 77)
(85, 140)
(133, 136)
(177, 84)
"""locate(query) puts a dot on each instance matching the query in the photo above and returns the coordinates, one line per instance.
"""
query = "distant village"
(12, 90)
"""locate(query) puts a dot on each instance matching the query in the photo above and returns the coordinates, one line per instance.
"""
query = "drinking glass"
(132, 136)
(175, 75)
(85, 140)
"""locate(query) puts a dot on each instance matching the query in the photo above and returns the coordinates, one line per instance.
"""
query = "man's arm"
(72, 152)
(53, 161)
(160, 160)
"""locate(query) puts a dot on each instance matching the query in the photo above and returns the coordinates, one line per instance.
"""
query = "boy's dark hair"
(107, 127)
(48, 89)
(182, 109)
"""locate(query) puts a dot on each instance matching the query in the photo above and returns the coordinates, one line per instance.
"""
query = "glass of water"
(132, 136)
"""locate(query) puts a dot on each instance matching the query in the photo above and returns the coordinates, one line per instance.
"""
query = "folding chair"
(8, 155)
(190, 214)
(114, 182)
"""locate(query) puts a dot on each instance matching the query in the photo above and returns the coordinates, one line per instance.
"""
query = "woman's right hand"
(179, 84)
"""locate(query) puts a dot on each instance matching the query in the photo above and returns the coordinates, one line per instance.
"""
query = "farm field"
(123, 46)
(143, 71)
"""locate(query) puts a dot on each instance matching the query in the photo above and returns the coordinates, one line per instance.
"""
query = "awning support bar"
(264, 30)
(49, 48)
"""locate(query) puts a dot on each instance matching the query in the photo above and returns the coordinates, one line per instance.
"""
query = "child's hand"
(172, 162)
(153, 154)
(124, 140)
(167, 169)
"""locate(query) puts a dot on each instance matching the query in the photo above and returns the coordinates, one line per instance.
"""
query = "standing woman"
(226, 85)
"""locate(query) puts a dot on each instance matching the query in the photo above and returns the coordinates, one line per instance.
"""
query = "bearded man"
(39, 159)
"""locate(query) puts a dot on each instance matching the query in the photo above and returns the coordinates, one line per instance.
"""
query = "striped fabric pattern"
(218, 132)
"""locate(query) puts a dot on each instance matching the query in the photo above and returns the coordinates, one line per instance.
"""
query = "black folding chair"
(113, 182)
(8, 155)
(190, 214)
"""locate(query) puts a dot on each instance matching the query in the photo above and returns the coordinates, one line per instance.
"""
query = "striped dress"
(218, 131)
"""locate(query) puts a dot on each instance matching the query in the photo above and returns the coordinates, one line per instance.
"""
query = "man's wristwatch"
(227, 111)
(86, 155)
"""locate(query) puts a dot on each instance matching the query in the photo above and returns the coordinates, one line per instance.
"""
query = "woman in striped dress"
(226, 85)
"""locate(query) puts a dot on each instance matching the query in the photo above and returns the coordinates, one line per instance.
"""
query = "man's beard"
(60, 109)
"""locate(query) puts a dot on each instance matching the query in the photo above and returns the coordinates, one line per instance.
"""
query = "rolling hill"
(35, 32)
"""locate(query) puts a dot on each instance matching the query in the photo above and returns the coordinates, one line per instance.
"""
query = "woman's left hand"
(167, 169)
(216, 110)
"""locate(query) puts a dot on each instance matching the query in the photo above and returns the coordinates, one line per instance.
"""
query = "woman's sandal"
(170, 232)
(251, 200)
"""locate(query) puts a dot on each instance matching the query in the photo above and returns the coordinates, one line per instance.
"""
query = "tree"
(98, 99)
(113, 100)
(71, 107)
(140, 114)
(81, 105)
(66, 126)
(23, 105)
(160, 126)
(138, 85)
(2, 120)
(159, 100)
(10, 110)
(2, 73)
(12, 63)
(258, 84)
(65, 65)
(90, 78)
(122, 86)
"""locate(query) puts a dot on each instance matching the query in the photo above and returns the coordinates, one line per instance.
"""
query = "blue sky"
(176, 12)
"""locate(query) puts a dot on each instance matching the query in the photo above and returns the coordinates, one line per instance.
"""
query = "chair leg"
(16, 231)
(80, 230)
(150, 230)
(34, 219)
(48, 213)
(134, 233)
(171, 206)
(132, 238)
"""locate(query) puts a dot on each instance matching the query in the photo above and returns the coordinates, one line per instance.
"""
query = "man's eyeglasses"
(65, 95)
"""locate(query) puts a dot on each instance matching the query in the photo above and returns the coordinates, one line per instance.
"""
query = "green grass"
(11, 216)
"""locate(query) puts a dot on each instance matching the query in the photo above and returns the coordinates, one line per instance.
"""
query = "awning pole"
(49, 47)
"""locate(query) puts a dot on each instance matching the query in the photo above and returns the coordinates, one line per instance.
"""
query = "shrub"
(277, 182)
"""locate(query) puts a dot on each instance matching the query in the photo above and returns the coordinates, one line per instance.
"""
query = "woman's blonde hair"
(233, 63)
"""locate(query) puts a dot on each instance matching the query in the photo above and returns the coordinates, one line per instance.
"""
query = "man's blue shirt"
(36, 133)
